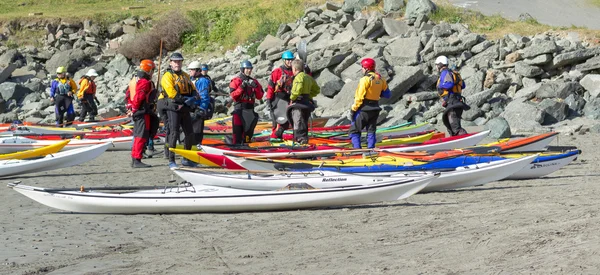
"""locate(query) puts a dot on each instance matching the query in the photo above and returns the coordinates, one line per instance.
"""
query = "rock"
(301, 31)
(589, 65)
(269, 42)
(349, 60)
(576, 56)
(129, 29)
(330, 83)
(473, 84)
(9, 57)
(353, 72)
(71, 59)
(481, 47)
(592, 109)
(115, 30)
(422, 96)
(351, 6)
(527, 70)
(332, 6)
(392, 5)
(6, 72)
(528, 92)
(591, 83)
(399, 115)
(403, 52)
(120, 64)
(557, 89)
(499, 128)
(512, 57)
(404, 79)
(8, 117)
(555, 111)
(357, 27)
(472, 114)
(343, 100)
(522, 116)
(484, 59)
(539, 47)
(11, 90)
(433, 111)
(394, 27)
(414, 8)
(322, 62)
(539, 60)
(478, 99)
(576, 104)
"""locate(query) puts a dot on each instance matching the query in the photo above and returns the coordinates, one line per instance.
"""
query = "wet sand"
(542, 226)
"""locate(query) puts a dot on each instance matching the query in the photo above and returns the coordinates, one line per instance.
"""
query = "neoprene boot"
(139, 164)
(371, 140)
(355, 141)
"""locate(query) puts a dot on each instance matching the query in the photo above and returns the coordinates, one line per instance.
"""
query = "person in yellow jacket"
(304, 89)
(87, 95)
(365, 110)
(178, 93)
(62, 90)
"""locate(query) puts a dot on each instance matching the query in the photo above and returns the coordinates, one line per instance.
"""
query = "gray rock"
(399, 115)
(528, 92)
(9, 57)
(472, 114)
(523, 69)
(392, 5)
(442, 30)
(404, 79)
(36, 86)
(357, 27)
(414, 8)
(8, 117)
(115, 30)
(6, 72)
(353, 72)
(542, 59)
(558, 89)
(349, 60)
(478, 99)
(433, 111)
(481, 46)
(499, 128)
(330, 83)
(403, 51)
(576, 56)
(301, 31)
(485, 58)
(322, 62)
(373, 30)
(422, 96)
(120, 64)
(343, 100)
(269, 42)
(332, 6)
(11, 90)
(473, 84)
(523, 117)
(555, 111)
(71, 59)
(592, 109)
(351, 6)
(591, 83)
(394, 27)
(589, 65)
(539, 47)
(576, 104)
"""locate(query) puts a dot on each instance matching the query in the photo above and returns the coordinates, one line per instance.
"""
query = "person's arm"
(272, 83)
(385, 93)
(73, 86)
(203, 86)
(258, 91)
(85, 84)
(359, 95)
(141, 88)
(314, 88)
(235, 89)
(53, 87)
(446, 81)
(166, 82)
(297, 87)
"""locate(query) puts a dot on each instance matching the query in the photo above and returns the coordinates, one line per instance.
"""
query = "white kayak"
(545, 165)
(448, 145)
(114, 121)
(270, 180)
(16, 144)
(52, 161)
(201, 199)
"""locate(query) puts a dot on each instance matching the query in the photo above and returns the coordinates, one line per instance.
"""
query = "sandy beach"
(542, 226)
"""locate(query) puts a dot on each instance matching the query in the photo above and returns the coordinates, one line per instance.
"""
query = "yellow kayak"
(35, 153)
(193, 156)
(398, 141)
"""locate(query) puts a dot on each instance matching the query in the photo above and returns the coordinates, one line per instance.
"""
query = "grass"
(496, 26)
(594, 2)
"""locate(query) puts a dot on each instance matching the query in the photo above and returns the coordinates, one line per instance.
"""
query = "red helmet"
(368, 63)
(147, 65)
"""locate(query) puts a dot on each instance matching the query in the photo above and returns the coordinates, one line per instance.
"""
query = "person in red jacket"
(142, 103)
(244, 91)
(278, 90)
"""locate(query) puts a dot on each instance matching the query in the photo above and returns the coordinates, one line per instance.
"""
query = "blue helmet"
(287, 55)
(204, 67)
(246, 65)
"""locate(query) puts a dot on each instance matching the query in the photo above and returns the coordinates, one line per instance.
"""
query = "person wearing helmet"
(142, 108)
(177, 88)
(304, 89)
(87, 95)
(62, 90)
(204, 73)
(365, 110)
(450, 86)
(244, 91)
(278, 95)
(203, 101)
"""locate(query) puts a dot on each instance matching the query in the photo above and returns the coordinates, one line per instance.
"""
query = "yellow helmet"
(61, 70)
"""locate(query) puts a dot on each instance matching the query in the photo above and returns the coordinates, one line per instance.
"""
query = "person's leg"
(84, 110)
(141, 130)
(188, 131)
(454, 119)
(93, 108)
(70, 112)
(237, 127)
(60, 108)
(250, 133)
(355, 130)
(173, 132)
(300, 126)
(446, 120)
(198, 127)
(371, 126)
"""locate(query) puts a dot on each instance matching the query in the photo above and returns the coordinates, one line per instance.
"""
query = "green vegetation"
(594, 2)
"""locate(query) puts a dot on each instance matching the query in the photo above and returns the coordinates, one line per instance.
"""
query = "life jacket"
(211, 106)
(249, 94)
(131, 89)
(182, 86)
(288, 79)
(91, 90)
(458, 83)
(149, 105)
(63, 88)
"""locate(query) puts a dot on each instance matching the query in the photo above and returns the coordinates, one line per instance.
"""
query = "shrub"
(146, 45)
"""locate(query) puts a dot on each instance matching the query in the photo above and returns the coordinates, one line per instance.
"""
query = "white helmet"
(194, 65)
(92, 72)
(441, 60)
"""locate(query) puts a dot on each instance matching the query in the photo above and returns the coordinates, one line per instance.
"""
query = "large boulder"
(392, 5)
(555, 111)
(521, 68)
(330, 83)
(351, 6)
(11, 90)
(576, 56)
(499, 128)
(403, 52)
(120, 64)
(590, 64)
(591, 83)
(394, 27)
(522, 116)
(539, 47)
(592, 109)
(576, 104)
(528, 92)
(478, 99)
(404, 79)
(473, 84)
(557, 89)
(416, 8)
(71, 59)
(9, 57)
(269, 42)
(6, 72)
(343, 100)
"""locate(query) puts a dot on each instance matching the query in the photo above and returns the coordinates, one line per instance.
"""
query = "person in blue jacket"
(201, 102)
(62, 90)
